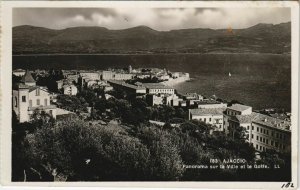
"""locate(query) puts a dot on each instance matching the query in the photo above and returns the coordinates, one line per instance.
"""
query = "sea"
(255, 79)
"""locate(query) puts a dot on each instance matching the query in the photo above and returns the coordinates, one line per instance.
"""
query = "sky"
(162, 19)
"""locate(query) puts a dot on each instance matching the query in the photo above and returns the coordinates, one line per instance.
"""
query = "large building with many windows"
(263, 132)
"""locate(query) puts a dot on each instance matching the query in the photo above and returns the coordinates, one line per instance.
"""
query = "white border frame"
(5, 87)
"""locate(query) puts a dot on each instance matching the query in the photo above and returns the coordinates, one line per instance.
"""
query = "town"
(58, 94)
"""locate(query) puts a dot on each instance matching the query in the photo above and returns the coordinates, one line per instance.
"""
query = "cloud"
(156, 18)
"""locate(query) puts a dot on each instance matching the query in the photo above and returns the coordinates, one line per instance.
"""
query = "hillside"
(262, 38)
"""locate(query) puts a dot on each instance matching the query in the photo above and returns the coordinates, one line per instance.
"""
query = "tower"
(27, 79)
(130, 69)
(21, 102)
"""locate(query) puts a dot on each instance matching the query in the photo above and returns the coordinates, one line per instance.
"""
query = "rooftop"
(156, 86)
(27, 77)
(122, 83)
(245, 118)
(262, 120)
(209, 111)
(239, 107)
(271, 121)
(19, 70)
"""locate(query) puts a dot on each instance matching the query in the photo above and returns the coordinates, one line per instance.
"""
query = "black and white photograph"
(151, 94)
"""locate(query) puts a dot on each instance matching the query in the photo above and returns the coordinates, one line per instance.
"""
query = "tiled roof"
(239, 107)
(207, 111)
(271, 121)
(245, 118)
(27, 77)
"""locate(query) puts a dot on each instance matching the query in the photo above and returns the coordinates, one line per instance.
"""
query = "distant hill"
(261, 38)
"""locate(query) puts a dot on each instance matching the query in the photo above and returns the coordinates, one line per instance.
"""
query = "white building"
(19, 72)
(263, 132)
(158, 88)
(239, 109)
(87, 75)
(70, 89)
(213, 116)
(29, 98)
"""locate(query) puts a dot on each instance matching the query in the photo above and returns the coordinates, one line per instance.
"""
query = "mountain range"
(260, 38)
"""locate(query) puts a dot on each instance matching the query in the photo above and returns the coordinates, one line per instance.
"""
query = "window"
(260, 139)
(16, 102)
(256, 137)
(272, 133)
(263, 139)
(261, 130)
(276, 144)
(264, 131)
(210, 119)
(38, 102)
(272, 143)
(204, 119)
(248, 127)
(37, 92)
(267, 132)
(251, 136)
(283, 147)
(257, 129)
(280, 136)
(23, 98)
(260, 147)
(276, 135)
(30, 103)
(267, 141)
(252, 127)
(256, 147)
(45, 102)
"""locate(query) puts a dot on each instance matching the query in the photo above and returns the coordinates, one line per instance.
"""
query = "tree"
(166, 163)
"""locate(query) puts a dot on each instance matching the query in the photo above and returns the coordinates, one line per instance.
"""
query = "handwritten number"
(287, 185)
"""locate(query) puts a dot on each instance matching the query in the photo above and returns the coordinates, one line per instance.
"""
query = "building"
(87, 75)
(270, 133)
(153, 99)
(193, 96)
(107, 75)
(27, 79)
(19, 72)
(129, 69)
(158, 88)
(263, 132)
(128, 88)
(73, 77)
(213, 116)
(60, 83)
(29, 98)
(210, 104)
(122, 76)
(239, 109)
(70, 89)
